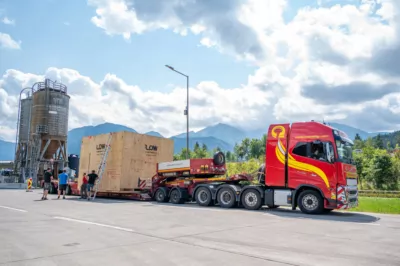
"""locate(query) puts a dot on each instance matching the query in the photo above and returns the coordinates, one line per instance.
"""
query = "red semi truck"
(308, 165)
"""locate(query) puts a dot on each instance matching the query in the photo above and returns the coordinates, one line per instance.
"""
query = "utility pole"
(186, 112)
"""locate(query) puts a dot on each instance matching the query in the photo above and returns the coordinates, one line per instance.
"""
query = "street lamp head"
(170, 67)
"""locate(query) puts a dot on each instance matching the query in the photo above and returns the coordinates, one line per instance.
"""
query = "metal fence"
(379, 194)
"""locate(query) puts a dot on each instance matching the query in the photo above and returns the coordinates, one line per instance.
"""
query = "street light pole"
(186, 112)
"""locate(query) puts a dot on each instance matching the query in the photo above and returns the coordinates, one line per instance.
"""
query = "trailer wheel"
(251, 199)
(203, 196)
(310, 202)
(176, 197)
(226, 198)
(161, 196)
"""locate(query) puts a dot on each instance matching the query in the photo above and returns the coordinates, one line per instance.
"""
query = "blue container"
(73, 163)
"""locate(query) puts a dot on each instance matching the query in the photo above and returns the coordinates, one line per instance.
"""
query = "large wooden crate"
(132, 156)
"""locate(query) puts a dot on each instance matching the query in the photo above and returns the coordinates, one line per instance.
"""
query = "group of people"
(88, 182)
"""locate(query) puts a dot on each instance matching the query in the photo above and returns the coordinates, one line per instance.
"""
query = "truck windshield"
(344, 151)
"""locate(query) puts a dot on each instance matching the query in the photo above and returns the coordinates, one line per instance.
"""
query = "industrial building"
(42, 130)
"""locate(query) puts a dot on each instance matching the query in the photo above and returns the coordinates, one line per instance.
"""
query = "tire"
(310, 202)
(203, 197)
(160, 196)
(68, 191)
(176, 197)
(251, 199)
(219, 158)
(226, 198)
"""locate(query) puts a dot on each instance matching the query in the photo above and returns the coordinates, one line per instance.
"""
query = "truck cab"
(311, 157)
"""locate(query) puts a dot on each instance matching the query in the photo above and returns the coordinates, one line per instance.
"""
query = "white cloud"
(8, 21)
(113, 100)
(7, 42)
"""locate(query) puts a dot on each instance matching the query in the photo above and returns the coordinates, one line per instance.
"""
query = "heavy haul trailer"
(193, 180)
(308, 165)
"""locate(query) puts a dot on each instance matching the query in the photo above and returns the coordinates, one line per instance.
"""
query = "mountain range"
(219, 135)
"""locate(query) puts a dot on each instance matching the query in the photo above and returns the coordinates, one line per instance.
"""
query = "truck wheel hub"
(160, 195)
(203, 196)
(226, 197)
(250, 199)
(310, 202)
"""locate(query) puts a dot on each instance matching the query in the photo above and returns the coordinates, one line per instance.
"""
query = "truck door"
(312, 166)
(323, 174)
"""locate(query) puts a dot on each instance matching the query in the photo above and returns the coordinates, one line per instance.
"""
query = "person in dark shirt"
(92, 179)
(47, 183)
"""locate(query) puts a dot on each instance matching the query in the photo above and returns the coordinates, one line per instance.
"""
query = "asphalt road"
(116, 232)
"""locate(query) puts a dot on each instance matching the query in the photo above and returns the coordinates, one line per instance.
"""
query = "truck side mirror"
(329, 155)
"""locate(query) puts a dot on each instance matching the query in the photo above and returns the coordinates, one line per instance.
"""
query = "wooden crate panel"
(132, 156)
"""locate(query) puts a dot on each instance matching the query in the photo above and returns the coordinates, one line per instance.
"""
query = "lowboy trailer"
(308, 165)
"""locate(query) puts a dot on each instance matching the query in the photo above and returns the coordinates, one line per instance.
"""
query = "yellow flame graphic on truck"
(280, 151)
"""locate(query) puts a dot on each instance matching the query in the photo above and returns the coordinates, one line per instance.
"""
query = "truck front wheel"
(251, 199)
(310, 202)
(203, 196)
(226, 198)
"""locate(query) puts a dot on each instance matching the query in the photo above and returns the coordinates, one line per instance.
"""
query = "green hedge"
(379, 194)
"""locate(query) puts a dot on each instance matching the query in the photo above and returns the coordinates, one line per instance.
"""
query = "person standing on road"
(92, 179)
(84, 186)
(62, 183)
(47, 183)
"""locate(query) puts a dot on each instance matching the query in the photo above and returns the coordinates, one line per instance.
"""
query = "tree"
(200, 152)
(358, 159)
(357, 137)
(230, 157)
(382, 170)
(182, 155)
(256, 148)
(239, 151)
(246, 147)
(379, 142)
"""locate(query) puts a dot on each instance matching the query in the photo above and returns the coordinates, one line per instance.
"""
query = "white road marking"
(368, 223)
(93, 223)
(14, 209)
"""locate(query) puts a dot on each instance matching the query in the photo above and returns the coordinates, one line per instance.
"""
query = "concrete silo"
(23, 136)
(48, 127)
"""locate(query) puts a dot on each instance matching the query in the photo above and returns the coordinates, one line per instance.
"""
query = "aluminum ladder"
(102, 165)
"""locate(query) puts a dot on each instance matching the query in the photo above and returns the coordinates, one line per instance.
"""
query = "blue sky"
(60, 34)
(80, 45)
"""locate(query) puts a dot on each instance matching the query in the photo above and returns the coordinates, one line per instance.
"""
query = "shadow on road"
(335, 216)
(98, 200)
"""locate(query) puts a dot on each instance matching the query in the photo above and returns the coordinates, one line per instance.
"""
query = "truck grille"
(353, 192)
(352, 200)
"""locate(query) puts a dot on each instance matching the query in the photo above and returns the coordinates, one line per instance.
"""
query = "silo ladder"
(102, 165)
